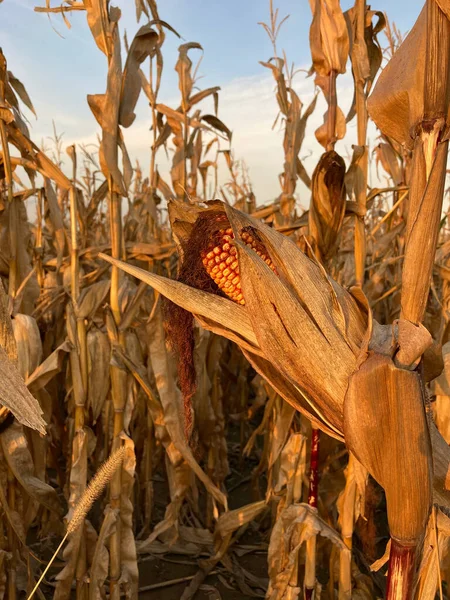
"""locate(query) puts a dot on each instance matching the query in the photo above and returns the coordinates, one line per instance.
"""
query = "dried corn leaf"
(91, 298)
(99, 24)
(425, 207)
(29, 345)
(386, 155)
(328, 37)
(18, 457)
(12, 516)
(386, 428)
(282, 425)
(100, 561)
(295, 525)
(15, 396)
(142, 46)
(39, 159)
(105, 108)
(321, 132)
(99, 356)
(7, 339)
(327, 209)
(57, 220)
(294, 343)
(129, 575)
(230, 521)
(435, 552)
(49, 368)
(292, 468)
(78, 476)
(20, 90)
(183, 68)
(223, 312)
(396, 103)
(171, 401)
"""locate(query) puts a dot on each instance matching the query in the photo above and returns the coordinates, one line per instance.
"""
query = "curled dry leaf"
(231, 520)
(294, 526)
(29, 345)
(386, 428)
(328, 37)
(19, 459)
(327, 209)
(396, 103)
(183, 68)
(141, 47)
(16, 397)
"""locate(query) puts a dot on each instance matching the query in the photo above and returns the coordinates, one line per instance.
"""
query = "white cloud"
(246, 105)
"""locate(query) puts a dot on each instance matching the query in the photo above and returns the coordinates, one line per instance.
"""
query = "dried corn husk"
(302, 343)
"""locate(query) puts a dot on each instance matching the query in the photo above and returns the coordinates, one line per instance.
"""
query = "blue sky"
(60, 70)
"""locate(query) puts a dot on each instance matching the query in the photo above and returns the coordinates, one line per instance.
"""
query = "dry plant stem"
(74, 254)
(118, 389)
(47, 567)
(38, 246)
(347, 524)
(362, 118)
(345, 558)
(332, 111)
(401, 577)
(425, 209)
(82, 345)
(310, 562)
(12, 563)
(13, 283)
(84, 504)
(424, 213)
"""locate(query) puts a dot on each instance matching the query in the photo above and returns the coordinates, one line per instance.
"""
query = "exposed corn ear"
(221, 262)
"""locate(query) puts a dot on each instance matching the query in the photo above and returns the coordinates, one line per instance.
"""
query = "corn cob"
(222, 265)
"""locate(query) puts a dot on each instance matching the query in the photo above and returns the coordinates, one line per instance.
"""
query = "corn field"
(203, 396)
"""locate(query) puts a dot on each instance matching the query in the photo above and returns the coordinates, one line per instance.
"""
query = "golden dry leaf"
(396, 103)
(328, 37)
(105, 108)
(386, 428)
(217, 309)
(16, 397)
(78, 477)
(29, 345)
(142, 46)
(99, 357)
(436, 546)
(99, 23)
(20, 90)
(7, 339)
(20, 461)
(48, 368)
(386, 155)
(295, 525)
(38, 160)
(327, 208)
(230, 521)
(100, 561)
(426, 196)
(128, 557)
(183, 68)
(12, 516)
(56, 219)
(91, 299)
(322, 132)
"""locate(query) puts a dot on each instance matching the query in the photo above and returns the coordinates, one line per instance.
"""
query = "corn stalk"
(426, 197)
